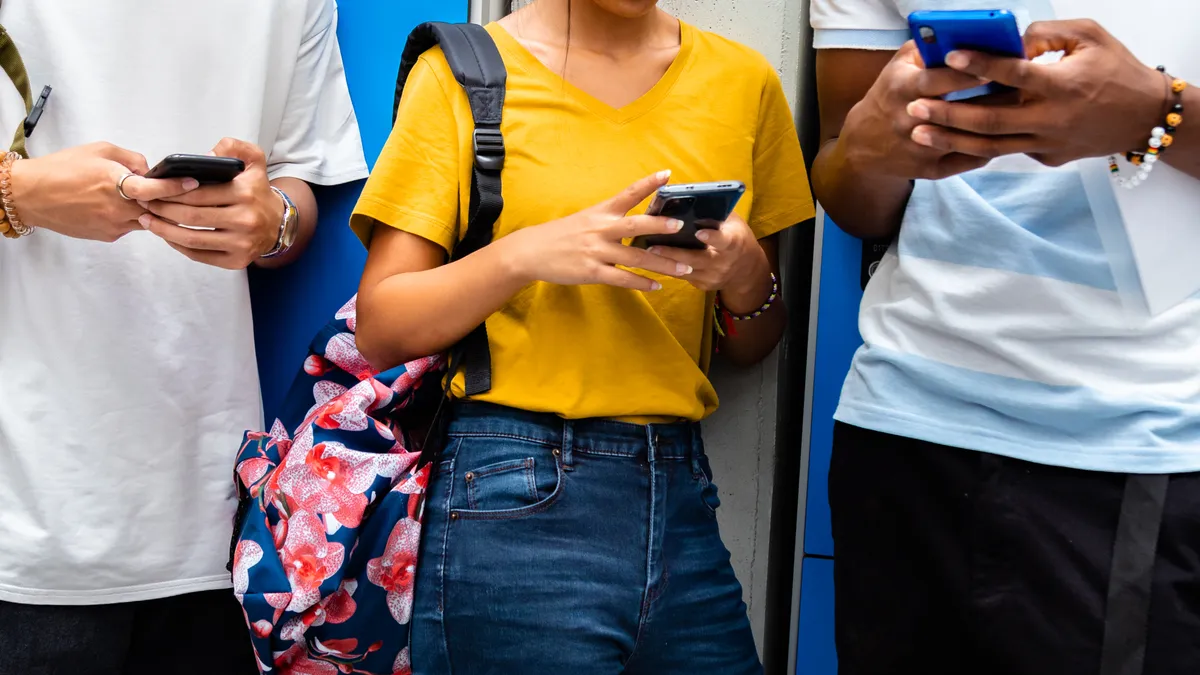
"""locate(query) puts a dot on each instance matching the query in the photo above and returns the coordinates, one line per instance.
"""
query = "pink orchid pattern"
(328, 478)
(396, 569)
(317, 365)
(342, 351)
(308, 559)
(403, 664)
(247, 555)
(337, 608)
(349, 313)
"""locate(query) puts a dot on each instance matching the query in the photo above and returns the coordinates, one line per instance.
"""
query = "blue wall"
(290, 305)
(837, 339)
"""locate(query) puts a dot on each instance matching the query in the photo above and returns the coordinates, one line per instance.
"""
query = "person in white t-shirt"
(127, 363)
(1015, 481)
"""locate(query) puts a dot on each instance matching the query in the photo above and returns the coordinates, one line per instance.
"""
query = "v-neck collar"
(642, 105)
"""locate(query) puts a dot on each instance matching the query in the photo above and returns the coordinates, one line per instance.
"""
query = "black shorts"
(195, 634)
(953, 561)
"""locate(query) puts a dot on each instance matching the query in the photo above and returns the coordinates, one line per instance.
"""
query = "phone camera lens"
(927, 35)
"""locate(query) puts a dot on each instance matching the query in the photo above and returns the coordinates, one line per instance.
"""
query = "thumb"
(129, 159)
(636, 193)
(249, 153)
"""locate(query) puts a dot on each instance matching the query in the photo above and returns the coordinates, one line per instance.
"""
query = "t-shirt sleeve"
(318, 138)
(782, 196)
(415, 184)
(857, 24)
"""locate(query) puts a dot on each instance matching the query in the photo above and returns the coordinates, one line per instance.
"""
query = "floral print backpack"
(324, 552)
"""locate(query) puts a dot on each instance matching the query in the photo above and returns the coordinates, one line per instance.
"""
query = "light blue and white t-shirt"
(994, 322)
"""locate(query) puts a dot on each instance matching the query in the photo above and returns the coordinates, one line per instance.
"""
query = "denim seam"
(442, 566)
(644, 614)
(513, 437)
(524, 465)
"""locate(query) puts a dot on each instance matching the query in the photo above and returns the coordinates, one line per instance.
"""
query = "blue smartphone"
(992, 31)
(699, 205)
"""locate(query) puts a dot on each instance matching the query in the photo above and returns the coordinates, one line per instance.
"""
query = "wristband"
(1161, 138)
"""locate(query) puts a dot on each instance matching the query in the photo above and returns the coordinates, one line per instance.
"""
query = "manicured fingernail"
(702, 235)
(145, 220)
(918, 110)
(210, 153)
(144, 205)
(655, 286)
(921, 136)
(675, 225)
(190, 183)
(654, 250)
(663, 175)
(682, 269)
(958, 60)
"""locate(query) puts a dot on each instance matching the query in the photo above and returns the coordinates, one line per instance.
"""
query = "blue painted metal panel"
(290, 305)
(815, 651)
(837, 339)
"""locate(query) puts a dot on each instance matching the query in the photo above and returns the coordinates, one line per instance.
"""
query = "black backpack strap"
(479, 68)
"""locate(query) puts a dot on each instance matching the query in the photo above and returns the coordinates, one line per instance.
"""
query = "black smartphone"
(699, 205)
(208, 170)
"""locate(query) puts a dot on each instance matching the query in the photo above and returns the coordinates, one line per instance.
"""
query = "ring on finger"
(121, 187)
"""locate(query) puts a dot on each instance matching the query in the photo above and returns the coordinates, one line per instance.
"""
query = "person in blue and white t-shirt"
(1015, 481)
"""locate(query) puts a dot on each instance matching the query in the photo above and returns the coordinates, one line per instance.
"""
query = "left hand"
(1098, 100)
(242, 217)
(732, 262)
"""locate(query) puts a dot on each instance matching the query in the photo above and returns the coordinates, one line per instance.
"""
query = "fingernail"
(682, 269)
(144, 205)
(663, 175)
(675, 225)
(210, 153)
(918, 110)
(190, 183)
(702, 235)
(654, 250)
(957, 60)
(655, 286)
(921, 136)
(145, 220)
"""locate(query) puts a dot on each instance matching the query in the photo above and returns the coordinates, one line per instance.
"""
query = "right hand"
(585, 248)
(74, 192)
(877, 133)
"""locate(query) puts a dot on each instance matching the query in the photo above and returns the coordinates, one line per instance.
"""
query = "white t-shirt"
(127, 372)
(994, 323)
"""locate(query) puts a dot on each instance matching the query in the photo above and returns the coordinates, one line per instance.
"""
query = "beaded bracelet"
(1161, 138)
(6, 200)
(726, 318)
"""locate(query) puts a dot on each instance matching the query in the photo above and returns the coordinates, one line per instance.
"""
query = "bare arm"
(844, 77)
(755, 339)
(410, 304)
(302, 196)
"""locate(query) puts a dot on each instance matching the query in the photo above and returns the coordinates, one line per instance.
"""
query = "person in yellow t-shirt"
(570, 522)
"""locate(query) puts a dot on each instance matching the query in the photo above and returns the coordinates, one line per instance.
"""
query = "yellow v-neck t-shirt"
(718, 114)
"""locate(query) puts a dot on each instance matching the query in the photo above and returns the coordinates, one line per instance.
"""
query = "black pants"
(196, 634)
(952, 561)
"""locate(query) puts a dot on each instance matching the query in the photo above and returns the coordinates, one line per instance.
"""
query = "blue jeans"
(583, 547)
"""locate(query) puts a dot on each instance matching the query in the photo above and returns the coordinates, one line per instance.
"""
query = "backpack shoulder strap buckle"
(489, 148)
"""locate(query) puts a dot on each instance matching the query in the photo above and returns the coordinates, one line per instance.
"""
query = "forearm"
(1184, 153)
(745, 343)
(415, 314)
(868, 206)
(302, 196)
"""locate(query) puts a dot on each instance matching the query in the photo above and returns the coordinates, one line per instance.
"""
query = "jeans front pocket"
(504, 478)
(709, 494)
(503, 485)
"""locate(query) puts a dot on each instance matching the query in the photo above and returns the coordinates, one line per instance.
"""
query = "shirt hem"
(113, 596)
(317, 177)
(1104, 459)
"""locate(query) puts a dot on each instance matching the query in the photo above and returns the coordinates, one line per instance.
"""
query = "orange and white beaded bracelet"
(15, 227)
(1161, 138)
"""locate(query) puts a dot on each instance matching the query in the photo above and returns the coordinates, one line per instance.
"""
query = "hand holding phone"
(699, 205)
(937, 33)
